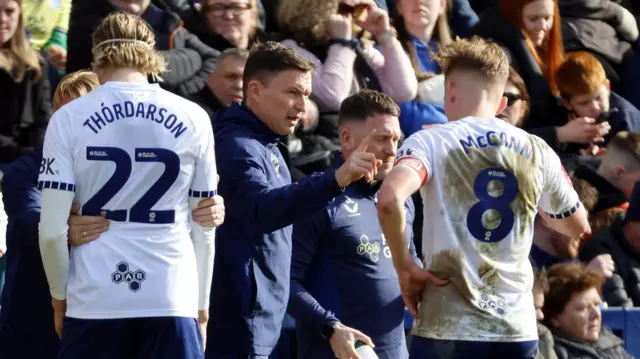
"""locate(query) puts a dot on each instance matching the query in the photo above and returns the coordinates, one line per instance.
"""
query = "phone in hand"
(607, 115)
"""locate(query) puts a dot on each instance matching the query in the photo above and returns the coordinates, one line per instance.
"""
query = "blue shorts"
(143, 338)
(425, 348)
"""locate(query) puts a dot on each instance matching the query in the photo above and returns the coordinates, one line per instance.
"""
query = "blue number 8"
(499, 204)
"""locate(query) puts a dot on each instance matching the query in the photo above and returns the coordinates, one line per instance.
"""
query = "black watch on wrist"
(328, 330)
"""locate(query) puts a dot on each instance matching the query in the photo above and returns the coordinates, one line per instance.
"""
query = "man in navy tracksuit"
(250, 288)
(26, 318)
(343, 283)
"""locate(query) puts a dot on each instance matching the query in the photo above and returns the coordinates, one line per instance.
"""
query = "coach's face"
(280, 100)
(384, 143)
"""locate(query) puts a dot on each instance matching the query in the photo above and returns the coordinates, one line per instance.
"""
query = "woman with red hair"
(530, 32)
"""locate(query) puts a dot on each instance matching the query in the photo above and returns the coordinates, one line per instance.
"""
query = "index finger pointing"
(365, 143)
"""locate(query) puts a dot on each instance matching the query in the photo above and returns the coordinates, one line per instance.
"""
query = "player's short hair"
(579, 74)
(74, 85)
(477, 55)
(623, 150)
(270, 58)
(125, 40)
(366, 103)
(565, 280)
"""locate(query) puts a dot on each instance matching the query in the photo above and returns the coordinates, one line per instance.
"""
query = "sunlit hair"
(306, 20)
(474, 54)
(17, 56)
(565, 280)
(74, 85)
(580, 74)
(551, 54)
(442, 32)
(124, 40)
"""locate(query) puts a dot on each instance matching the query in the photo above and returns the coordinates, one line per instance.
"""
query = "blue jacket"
(342, 270)
(250, 288)
(26, 318)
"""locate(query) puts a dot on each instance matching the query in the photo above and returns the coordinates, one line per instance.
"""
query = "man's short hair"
(366, 103)
(270, 58)
(565, 280)
(623, 150)
(233, 52)
(475, 54)
(74, 85)
(579, 74)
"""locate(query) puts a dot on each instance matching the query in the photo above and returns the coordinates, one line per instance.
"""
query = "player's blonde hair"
(474, 54)
(74, 85)
(125, 40)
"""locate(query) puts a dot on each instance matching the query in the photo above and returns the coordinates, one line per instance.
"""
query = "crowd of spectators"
(574, 83)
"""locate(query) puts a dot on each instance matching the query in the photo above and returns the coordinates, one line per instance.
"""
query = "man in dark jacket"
(340, 254)
(250, 286)
(189, 61)
(622, 242)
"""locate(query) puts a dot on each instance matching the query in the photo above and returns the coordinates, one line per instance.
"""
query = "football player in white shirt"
(143, 158)
(482, 182)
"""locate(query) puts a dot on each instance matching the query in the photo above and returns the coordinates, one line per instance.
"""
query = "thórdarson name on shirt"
(496, 139)
(134, 111)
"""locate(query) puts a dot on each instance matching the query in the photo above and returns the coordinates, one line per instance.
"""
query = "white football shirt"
(134, 153)
(483, 181)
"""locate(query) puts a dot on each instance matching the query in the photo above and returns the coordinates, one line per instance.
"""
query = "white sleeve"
(57, 182)
(559, 199)
(204, 185)
(414, 153)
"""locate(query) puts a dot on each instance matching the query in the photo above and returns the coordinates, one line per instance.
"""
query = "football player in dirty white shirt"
(482, 182)
(143, 158)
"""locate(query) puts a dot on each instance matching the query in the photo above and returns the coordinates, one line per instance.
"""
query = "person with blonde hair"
(141, 157)
(482, 182)
(74, 85)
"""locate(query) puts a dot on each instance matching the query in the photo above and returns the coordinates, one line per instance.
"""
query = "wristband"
(353, 44)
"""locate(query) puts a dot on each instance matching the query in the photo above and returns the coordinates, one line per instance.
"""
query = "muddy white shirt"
(135, 154)
(483, 181)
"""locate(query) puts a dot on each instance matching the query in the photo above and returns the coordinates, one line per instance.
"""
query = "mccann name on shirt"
(129, 110)
(492, 138)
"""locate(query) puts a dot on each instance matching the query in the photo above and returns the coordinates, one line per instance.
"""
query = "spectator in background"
(26, 104)
(517, 100)
(422, 27)
(188, 60)
(621, 242)
(340, 255)
(572, 312)
(615, 178)
(545, 338)
(332, 34)
(224, 24)
(530, 32)
(606, 30)
(250, 286)
(224, 85)
(586, 93)
(47, 23)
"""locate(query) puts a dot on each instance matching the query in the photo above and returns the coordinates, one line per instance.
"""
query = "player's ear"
(607, 83)
(346, 137)
(502, 105)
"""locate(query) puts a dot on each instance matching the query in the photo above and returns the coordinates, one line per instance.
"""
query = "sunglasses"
(511, 98)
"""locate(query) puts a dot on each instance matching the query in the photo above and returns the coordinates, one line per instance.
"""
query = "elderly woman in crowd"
(572, 312)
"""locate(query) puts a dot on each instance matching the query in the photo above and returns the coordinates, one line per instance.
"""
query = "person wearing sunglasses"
(517, 100)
